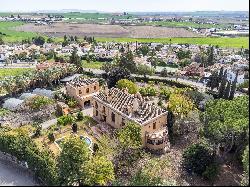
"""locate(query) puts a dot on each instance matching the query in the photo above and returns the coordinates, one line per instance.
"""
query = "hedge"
(42, 162)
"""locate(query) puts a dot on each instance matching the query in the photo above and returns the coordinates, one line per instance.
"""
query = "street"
(12, 175)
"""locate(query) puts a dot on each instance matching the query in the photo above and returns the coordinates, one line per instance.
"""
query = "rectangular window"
(154, 126)
(80, 92)
(96, 113)
(113, 117)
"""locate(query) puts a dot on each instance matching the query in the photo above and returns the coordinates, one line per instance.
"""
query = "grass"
(9, 34)
(92, 65)
(13, 71)
(221, 42)
(185, 24)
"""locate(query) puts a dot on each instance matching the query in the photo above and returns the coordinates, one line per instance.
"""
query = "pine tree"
(233, 87)
(222, 85)
(227, 91)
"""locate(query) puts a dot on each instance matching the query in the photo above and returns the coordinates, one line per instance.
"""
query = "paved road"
(12, 175)
(47, 124)
(196, 84)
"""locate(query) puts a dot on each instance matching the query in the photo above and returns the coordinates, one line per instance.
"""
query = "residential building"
(116, 107)
(82, 90)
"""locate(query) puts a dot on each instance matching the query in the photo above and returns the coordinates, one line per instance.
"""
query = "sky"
(124, 5)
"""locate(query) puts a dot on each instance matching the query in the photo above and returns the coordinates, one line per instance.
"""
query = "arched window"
(94, 87)
(87, 90)
(96, 105)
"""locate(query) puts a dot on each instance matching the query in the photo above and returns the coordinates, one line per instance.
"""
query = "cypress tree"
(227, 91)
(233, 87)
(223, 85)
(221, 74)
(210, 59)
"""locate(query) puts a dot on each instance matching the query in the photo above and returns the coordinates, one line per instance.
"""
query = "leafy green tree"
(144, 50)
(143, 179)
(184, 62)
(197, 157)
(145, 70)
(41, 161)
(50, 40)
(126, 61)
(181, 54)
(65, 120)
(38, 40)
(130, 136)
(124, 83)
(116, 74)
(180, 105)
(99, 171)
(226, 122)
(74, 155)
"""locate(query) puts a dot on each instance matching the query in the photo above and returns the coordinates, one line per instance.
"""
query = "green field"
(186, 24)
(12, 71)
(221, 42)
(92, 65)
(92, 16)
(8, 33)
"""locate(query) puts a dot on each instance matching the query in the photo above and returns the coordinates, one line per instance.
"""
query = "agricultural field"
(109, 31)
(9, 34)
(12, 71)
(221, 42)
(92, 16)
(186, 24)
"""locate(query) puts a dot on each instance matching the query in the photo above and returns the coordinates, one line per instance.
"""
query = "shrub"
(38, 102)
(51, 137)
(79, 116)
(65, 120)
(148, 91)
(72, 102)
(197, 157)
(211, 172)
(38, 131)
(245, 161)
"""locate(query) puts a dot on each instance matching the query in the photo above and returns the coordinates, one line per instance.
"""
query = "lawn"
(12, 71)
(221, 42)
(92, 65)
(185, 24)
(8, 33)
